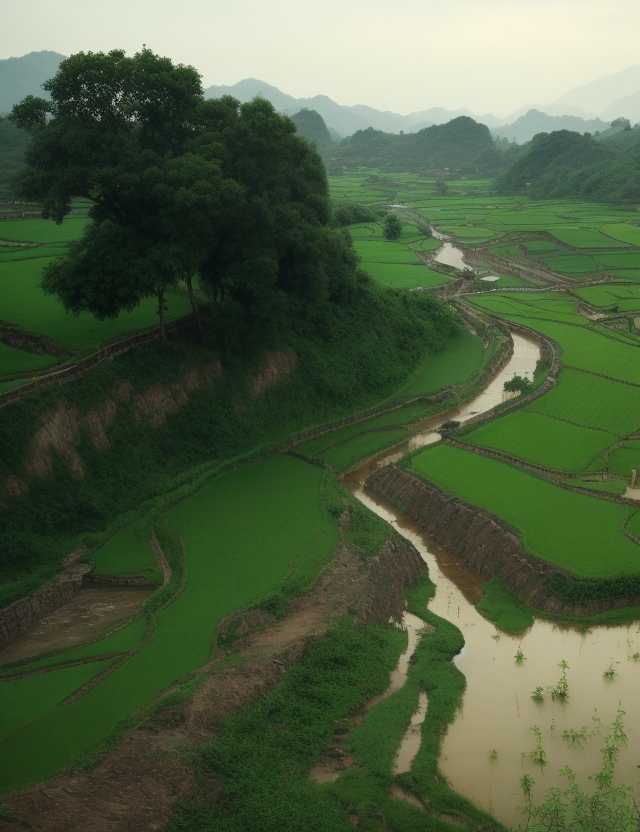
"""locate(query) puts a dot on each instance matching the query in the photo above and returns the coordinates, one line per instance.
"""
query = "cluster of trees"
(179, 187)
(567, 164)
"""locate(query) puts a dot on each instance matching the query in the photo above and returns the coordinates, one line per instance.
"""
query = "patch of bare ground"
(135, 788)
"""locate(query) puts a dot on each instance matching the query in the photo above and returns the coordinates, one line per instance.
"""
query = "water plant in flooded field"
(610, 673)
(519, 656)
(538, 756)
(609, 809)
(575, 738)
(561, 689)
(538, 694)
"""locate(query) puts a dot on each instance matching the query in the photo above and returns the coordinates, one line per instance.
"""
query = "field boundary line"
(80, 367)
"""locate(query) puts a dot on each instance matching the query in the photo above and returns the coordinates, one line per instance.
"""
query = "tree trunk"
(194, 306)
(161, 313)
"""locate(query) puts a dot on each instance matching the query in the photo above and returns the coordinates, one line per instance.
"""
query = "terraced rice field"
(571, 238)
(23, 304)
(127, 553)
(243, 533)
(577, 532)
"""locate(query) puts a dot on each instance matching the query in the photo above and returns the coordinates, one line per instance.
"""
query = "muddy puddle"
(91, 613)
(486, 749)
(448, 254)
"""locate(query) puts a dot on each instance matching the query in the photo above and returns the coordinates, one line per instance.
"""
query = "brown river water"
(485, 751)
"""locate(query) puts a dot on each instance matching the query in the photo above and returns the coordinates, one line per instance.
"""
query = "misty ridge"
(588, 108)
(582, 145)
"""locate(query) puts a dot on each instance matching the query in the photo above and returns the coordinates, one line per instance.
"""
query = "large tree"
(179, 186)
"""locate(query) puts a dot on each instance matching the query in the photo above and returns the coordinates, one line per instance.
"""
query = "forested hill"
(24, 76)
(566, 164)
(462, 145)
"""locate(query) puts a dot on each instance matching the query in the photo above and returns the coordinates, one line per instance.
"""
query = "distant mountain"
(628, 107)
(600, 95)
(345, 120)
(529, 125)
(24, 76)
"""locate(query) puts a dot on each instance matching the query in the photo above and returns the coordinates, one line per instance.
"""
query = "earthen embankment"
(482, 541)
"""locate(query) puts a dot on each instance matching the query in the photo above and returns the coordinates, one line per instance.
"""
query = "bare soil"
(136, 786)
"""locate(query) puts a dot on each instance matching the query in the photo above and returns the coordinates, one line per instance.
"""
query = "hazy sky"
(488, 55)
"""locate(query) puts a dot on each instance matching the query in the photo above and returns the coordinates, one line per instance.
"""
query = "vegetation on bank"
(266, 755)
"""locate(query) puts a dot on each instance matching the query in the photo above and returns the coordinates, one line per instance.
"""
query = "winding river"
(486, 749)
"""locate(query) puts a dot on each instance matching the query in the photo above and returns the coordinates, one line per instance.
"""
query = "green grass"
(625, 459)
(592, 401)
(26, 701)
(452, 366)
(573, 264)
(508, 613)
(349, 453)
(622, 260)
(583, 237)
(127, 553)
(42, 231)
(606, 486)
(625, 297)
(11, 253)
(244, 534)
(579, 533)
(265, 755)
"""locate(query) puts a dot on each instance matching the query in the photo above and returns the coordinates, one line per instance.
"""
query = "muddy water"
(91, 613)
(497, 712)
(448, 254)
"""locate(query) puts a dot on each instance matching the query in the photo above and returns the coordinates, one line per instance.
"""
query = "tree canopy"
(179, 186)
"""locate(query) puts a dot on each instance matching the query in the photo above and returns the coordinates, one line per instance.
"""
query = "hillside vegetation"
(566, 164)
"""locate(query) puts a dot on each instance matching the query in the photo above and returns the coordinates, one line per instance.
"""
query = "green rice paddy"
(127, 553)
(24, 304)
(572, 530)
(243, 534)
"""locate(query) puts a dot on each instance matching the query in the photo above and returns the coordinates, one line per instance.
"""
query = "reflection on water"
(410, 744)
(449, 255)
(497, 712)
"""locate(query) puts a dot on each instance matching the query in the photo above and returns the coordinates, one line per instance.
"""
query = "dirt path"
(136, 786)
